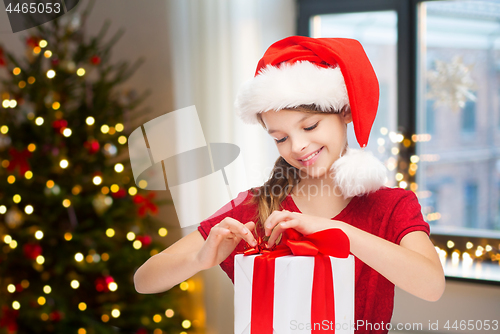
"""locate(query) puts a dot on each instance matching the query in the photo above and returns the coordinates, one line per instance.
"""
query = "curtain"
(215, 46)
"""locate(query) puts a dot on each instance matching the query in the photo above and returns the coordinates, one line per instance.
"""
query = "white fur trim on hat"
(291, 85)
(359, 172)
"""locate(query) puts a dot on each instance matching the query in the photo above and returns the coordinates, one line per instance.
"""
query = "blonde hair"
(283, 178)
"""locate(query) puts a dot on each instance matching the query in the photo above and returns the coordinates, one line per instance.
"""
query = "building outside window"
(469, 117)
(429, 117)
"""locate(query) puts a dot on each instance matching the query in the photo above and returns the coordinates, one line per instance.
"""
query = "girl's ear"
(346, 113)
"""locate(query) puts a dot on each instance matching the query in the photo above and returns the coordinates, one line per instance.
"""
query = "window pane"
(469, 116)
(459, 106)
(377, 32)
(470, 213)
(429, 116)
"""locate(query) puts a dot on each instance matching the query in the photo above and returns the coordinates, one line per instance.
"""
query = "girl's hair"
(281, 181)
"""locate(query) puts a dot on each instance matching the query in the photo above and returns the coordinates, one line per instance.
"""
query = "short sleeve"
(232, 209)
(407, 217)
(239, 209)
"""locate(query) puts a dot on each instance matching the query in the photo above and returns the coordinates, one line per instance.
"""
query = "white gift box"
(293, 280)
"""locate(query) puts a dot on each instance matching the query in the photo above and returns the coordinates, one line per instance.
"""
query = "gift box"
(284, 294)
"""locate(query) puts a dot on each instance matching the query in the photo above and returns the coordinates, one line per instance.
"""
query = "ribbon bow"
(331, 242)
(322, 244)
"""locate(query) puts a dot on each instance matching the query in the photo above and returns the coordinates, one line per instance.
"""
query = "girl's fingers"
(249, 238)
(280, 228)
(250, 226)
(274, 218)
(238, 229)
(222, 232)
(270, 222)
(251, 223)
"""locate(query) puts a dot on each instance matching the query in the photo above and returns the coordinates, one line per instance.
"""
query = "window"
(442, 90)
(470, 205)
(458, 52)
(469, 117)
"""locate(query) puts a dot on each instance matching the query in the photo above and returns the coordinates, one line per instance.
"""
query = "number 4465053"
(34, 7)
(472, 325)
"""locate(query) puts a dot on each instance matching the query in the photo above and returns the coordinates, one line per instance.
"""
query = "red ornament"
(102, 283)
(144, 204)
(141, 331)
(95, 60)
(19, 287)
(19, 158)
(59, 125)
(144, 239)
(92, 146)
(56, 315)
(8, 319)
(2, 58)
(32, 251)
(55, 62)
(33, 41)
(119, 194)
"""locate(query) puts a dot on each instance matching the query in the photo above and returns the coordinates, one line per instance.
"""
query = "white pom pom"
(359, 172)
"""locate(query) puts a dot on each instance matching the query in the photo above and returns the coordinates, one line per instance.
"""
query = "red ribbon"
(322, 244)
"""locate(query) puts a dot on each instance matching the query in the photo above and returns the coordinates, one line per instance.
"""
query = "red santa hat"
(329, 73)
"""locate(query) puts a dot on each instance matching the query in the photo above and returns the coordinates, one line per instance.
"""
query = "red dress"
(389, 213)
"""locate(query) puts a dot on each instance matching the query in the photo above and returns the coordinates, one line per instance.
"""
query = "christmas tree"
(73, 225)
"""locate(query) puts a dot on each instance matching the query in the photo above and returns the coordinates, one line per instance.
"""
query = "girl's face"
(311, 142)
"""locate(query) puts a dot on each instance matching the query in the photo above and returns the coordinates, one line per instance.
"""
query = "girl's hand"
(279, 221)
(223, 239)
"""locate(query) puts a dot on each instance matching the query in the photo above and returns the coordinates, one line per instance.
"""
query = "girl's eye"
(312, 127)
(281, 140)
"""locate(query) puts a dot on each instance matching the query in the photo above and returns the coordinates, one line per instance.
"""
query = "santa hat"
(329, 73)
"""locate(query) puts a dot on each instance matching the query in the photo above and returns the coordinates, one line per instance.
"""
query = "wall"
(460, 301)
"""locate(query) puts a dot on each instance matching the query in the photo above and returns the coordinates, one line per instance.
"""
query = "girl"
(304, 94)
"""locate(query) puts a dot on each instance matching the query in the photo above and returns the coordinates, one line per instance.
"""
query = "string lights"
(455, 254)
(83, 192)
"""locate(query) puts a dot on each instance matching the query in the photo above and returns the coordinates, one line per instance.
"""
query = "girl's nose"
(299, 145)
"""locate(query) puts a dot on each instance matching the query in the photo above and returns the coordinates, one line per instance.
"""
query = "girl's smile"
(310, 158)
